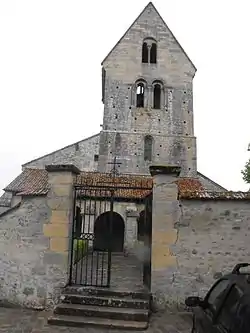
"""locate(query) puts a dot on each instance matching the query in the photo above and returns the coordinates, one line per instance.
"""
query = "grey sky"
(50, 76)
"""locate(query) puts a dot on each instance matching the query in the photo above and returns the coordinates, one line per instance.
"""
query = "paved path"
(26, 321)
(126, 271)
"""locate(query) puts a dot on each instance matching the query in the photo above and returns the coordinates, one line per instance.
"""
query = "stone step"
(104, 292)
(114, 301)
(73, 321)
(102, 312)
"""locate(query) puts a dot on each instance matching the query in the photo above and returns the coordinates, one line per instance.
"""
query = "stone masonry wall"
(171, 126)
(81, 154)
(213, 236)
(209, 185)
(35, 243)
(23, 267)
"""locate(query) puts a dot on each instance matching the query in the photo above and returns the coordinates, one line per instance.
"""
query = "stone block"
(60, 216)
(59, 244)
(161, 261)
(57, 259)
(61, 190)
(163, 222)
(59, 203)
(164, 237)
(56, 230)
(60, 178)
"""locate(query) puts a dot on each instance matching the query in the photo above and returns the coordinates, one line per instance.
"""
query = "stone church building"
(142, 166)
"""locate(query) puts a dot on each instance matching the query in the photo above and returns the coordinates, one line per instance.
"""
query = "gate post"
(164, 235)
(59, 227)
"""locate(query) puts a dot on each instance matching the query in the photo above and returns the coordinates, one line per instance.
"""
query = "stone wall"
(35, 243)
(81, 154)
(210, 185)
(213, 236)
(23, 267)
(194, 242)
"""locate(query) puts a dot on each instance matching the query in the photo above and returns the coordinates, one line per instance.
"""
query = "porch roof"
(32, 182)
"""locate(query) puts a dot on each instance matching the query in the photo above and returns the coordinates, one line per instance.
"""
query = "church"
(127, 206)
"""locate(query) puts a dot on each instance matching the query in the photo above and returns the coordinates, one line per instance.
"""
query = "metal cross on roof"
(114, 171)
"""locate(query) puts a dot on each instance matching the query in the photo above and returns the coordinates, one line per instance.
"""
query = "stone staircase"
(101, 307)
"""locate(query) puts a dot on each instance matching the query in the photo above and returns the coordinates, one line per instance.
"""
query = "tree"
(246, 172)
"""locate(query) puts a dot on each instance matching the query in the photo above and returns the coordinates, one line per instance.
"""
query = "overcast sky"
(50, 76)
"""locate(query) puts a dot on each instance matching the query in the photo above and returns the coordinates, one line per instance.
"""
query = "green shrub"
(80, 249)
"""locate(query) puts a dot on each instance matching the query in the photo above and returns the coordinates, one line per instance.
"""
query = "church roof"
(150, 4)
(32, 182)
(126, 186)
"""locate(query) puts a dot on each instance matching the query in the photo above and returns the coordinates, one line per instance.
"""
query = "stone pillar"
(58, 230)
(164, 235)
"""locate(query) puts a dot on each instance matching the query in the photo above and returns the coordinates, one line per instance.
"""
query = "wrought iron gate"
(91, 255)
(90, 262)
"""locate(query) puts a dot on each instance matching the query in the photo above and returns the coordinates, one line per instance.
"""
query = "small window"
(77, 146)
(217, 294)
(96, 157)
(145, 52)
(148, 147)
(157, 96)
(140, 95)
(153, 54)
(118, 144)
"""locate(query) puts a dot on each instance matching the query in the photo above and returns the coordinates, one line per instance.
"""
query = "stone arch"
(140, 88)
(109, 230)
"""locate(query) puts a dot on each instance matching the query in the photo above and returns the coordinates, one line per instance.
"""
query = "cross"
(114, 171)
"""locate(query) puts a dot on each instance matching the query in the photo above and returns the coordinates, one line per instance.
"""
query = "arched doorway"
(107, 236)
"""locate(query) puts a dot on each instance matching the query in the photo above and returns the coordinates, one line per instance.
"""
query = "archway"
(107, 236)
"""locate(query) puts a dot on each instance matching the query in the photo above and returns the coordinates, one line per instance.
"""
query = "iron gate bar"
(72, 240)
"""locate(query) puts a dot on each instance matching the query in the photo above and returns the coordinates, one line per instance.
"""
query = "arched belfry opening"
(140, 92)
(153, 53)
(145, 53)
(109, 232)
(149, 51)
(157, 96)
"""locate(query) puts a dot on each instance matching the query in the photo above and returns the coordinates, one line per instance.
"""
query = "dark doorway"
(109, 232)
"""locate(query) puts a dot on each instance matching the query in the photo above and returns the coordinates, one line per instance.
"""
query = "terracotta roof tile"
(124, 186)
(35, 182)
(30, 182)
(210, 195)
(189, 184)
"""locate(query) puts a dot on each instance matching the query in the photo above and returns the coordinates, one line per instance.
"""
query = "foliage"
(246, 172)
(80, 249)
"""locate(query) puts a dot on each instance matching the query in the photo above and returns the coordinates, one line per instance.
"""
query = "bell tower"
(147, 83)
